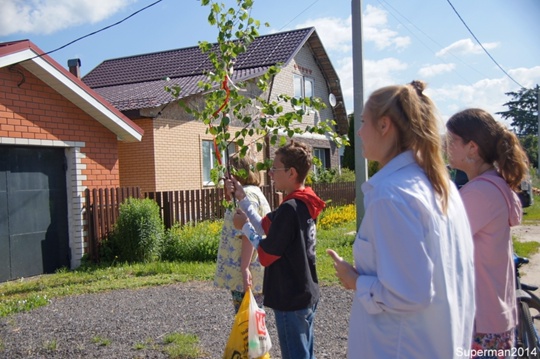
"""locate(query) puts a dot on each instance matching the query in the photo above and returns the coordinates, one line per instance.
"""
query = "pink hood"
(515, 210)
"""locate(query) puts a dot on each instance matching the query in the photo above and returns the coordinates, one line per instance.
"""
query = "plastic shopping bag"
(259, 342)
(239, 343)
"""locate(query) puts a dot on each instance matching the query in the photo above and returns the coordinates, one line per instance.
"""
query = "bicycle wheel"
(534, 301)
(534, 311)
(527, 341)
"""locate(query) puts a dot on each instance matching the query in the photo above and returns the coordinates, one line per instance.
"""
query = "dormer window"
(303, 88)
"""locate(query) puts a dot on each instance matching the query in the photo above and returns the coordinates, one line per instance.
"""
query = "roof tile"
(137, 82)
(265, 50)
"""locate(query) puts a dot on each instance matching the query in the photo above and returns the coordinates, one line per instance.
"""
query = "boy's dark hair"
(298, 156)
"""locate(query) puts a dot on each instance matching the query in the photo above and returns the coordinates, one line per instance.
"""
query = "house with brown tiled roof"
(176, 151)
(58, 137)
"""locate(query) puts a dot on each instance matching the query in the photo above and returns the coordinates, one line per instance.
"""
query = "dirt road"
(531, 271)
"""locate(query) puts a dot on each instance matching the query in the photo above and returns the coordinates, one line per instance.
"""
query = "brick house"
(176, 151)
(58, 137)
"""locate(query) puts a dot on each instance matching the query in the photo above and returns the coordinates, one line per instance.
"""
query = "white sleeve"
(252, 214)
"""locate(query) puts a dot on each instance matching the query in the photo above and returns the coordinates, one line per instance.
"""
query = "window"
(323, 154)
(303, 88)
(210, 161)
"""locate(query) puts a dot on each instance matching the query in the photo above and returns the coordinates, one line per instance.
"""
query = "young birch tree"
(225, 102)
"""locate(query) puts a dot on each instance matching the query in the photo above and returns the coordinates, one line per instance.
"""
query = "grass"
(51, 345)
(339, 239)
(29, 293)
(526, 249)
(101, 341)
(532, 213)
(182, 346)
(531, 216)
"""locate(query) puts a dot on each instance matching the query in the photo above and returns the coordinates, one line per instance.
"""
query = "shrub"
(335, 216)
(346, 175)
(323, 175)
(137, 234)
(192, 242)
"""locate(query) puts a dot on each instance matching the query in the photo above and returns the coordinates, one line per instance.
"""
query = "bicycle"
(528, 307)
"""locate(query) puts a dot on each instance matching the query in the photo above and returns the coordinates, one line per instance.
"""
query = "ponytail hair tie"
(419, 86)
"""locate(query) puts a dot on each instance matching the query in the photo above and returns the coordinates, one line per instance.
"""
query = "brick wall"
(304, 64)
(137, 165)
(35, 112)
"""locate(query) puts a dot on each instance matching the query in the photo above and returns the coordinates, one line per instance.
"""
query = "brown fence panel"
(189, 205)
(102, 205)
(101, 211)
(336, 194)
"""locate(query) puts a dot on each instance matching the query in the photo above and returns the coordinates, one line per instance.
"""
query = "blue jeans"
(295, 333)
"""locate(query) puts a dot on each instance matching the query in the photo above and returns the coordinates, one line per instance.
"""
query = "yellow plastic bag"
(238, 344)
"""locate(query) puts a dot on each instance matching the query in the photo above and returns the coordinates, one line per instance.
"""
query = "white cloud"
(434, 70)
(49, 16)
(488, 94)
(376, 30)
(336, 36)
(335, 33)
(527, 78)
(376, 74)
(466, 46)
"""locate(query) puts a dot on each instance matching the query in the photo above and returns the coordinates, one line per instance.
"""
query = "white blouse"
(415, 294)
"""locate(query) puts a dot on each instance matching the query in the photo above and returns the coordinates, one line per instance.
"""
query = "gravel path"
(77, 326)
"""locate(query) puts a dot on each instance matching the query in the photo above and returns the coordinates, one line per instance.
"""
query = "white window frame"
(320, 153)
(303, 87)
(209, 160)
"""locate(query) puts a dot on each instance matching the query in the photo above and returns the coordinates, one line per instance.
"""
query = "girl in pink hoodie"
(495, 164)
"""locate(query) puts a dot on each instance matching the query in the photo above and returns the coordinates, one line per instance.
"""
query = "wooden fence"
(102, 205)
(198, 205)
(101, 211)
(336, 194)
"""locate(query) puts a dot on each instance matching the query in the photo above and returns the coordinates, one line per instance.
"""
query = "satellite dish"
(332, 99)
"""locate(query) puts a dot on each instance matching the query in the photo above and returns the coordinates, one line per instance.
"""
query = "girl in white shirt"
(413, 273)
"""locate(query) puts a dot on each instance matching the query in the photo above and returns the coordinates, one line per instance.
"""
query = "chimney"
(75, 67)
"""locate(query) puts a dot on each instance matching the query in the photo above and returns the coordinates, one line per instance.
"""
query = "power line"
(386, 5)
(303, 11)
(482, 46)
(95, 32)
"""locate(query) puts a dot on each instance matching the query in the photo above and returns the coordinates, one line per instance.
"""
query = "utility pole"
(538, 140)
(360, 163)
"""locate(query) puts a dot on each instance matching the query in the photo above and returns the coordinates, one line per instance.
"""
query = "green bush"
(137, 234)
(192, 242)
(346, 175)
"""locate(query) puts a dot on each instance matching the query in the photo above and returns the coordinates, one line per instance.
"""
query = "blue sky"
(402, 39)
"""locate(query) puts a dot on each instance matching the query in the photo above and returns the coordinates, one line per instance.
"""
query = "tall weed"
(192, 242)
(137, 234)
